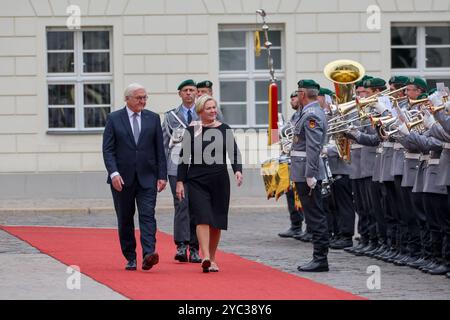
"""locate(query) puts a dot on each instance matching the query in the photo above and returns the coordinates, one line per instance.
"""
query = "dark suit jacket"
(146, 160)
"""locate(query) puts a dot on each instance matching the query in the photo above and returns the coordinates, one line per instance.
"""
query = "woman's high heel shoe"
(206, 263)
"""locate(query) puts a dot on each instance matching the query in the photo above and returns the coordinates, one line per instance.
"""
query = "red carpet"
(97, 253)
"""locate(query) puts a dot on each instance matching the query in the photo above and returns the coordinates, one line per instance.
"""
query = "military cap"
(422, 96)
(308, 84)
(433, 90)
(294, 94)
(204, 84)
(360, 83)
(374, 83)
(185, 83)
(419, 82)
(324, 91)
(398, 80)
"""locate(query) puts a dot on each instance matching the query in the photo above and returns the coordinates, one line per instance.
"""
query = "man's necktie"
(136, 127)
(189, 119)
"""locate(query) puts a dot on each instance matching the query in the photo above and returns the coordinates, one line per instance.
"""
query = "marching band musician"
(434, 197)
(359, 182)
(370, 167)
(307, 171)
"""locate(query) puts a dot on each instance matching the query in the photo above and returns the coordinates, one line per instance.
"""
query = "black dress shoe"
(448, 275)
(194, 257)
(357, 247)
(291, 232)
(363, 251)
(131, 265)
(315, 266)
(306, 237)
(150, 260)
(181, 254)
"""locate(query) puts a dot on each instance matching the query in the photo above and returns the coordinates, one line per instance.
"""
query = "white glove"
(311, 182)
(324, 150)
(435, 99)
(447, 107)
(380, 107)
(403, 129)
(428, 120)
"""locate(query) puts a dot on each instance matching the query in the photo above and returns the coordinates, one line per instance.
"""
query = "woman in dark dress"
(204, 169)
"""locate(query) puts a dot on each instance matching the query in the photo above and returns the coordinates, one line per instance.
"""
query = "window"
(79, 78)
(244, 78)
(422, 50)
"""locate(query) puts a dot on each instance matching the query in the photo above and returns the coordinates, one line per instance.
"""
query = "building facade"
(64, 65)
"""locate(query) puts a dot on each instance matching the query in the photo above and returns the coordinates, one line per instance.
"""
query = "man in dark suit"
(134, 157)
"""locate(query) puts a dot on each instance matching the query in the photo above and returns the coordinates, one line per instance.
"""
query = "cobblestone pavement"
(252, 235)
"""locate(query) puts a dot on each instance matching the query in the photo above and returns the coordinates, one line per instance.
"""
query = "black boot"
(319, 263)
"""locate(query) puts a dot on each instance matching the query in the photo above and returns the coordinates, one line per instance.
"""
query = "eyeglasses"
(141, 98)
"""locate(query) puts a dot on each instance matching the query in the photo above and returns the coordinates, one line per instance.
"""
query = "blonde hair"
(201, 101)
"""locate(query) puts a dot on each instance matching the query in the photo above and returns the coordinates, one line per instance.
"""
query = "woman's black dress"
(204, 169)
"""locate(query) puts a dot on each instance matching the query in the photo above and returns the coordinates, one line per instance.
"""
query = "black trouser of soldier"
(345, 212)
(329, 206)
(358, 188)
(315, 216)
(377, 223)
(409, 226)
(423, 222)
(391, 215)
(436, 212)
(184, 229)
(295, 215)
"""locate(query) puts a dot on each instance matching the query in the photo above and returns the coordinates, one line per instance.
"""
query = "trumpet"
(413, 102)
(388, 127)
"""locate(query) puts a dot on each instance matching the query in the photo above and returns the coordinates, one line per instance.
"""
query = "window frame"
(79, 78)
(421, 46)
(251, 75)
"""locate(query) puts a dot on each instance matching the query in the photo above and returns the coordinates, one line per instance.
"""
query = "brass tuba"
(343, 73)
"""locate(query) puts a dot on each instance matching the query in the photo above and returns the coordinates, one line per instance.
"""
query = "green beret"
(360, 83)
(419, 82)
(432, 91)
(205, 84)
(422, 96)
(374, 83)
(324, 91)
(308, 84)
(185, 83)
(294, 94)
(398, 80)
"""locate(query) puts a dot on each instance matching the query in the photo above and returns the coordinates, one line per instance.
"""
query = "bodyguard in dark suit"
(134, 157)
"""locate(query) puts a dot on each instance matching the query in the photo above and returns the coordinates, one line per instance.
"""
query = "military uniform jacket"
(398, 158)
(410, 164)
(427, 174)
(370, 140)
(355, 162)
(443, 172)
(309, 136)
(337, 165)
(443, 119)
(170, 127)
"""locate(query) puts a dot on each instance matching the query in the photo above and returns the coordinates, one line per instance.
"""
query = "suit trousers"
(390, 204)
(315, 216)
(184, 228)
(125, 206)
(423, 221)
(295, 215)
(329, 206)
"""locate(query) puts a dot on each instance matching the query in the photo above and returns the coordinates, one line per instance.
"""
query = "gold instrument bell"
(343, 73)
